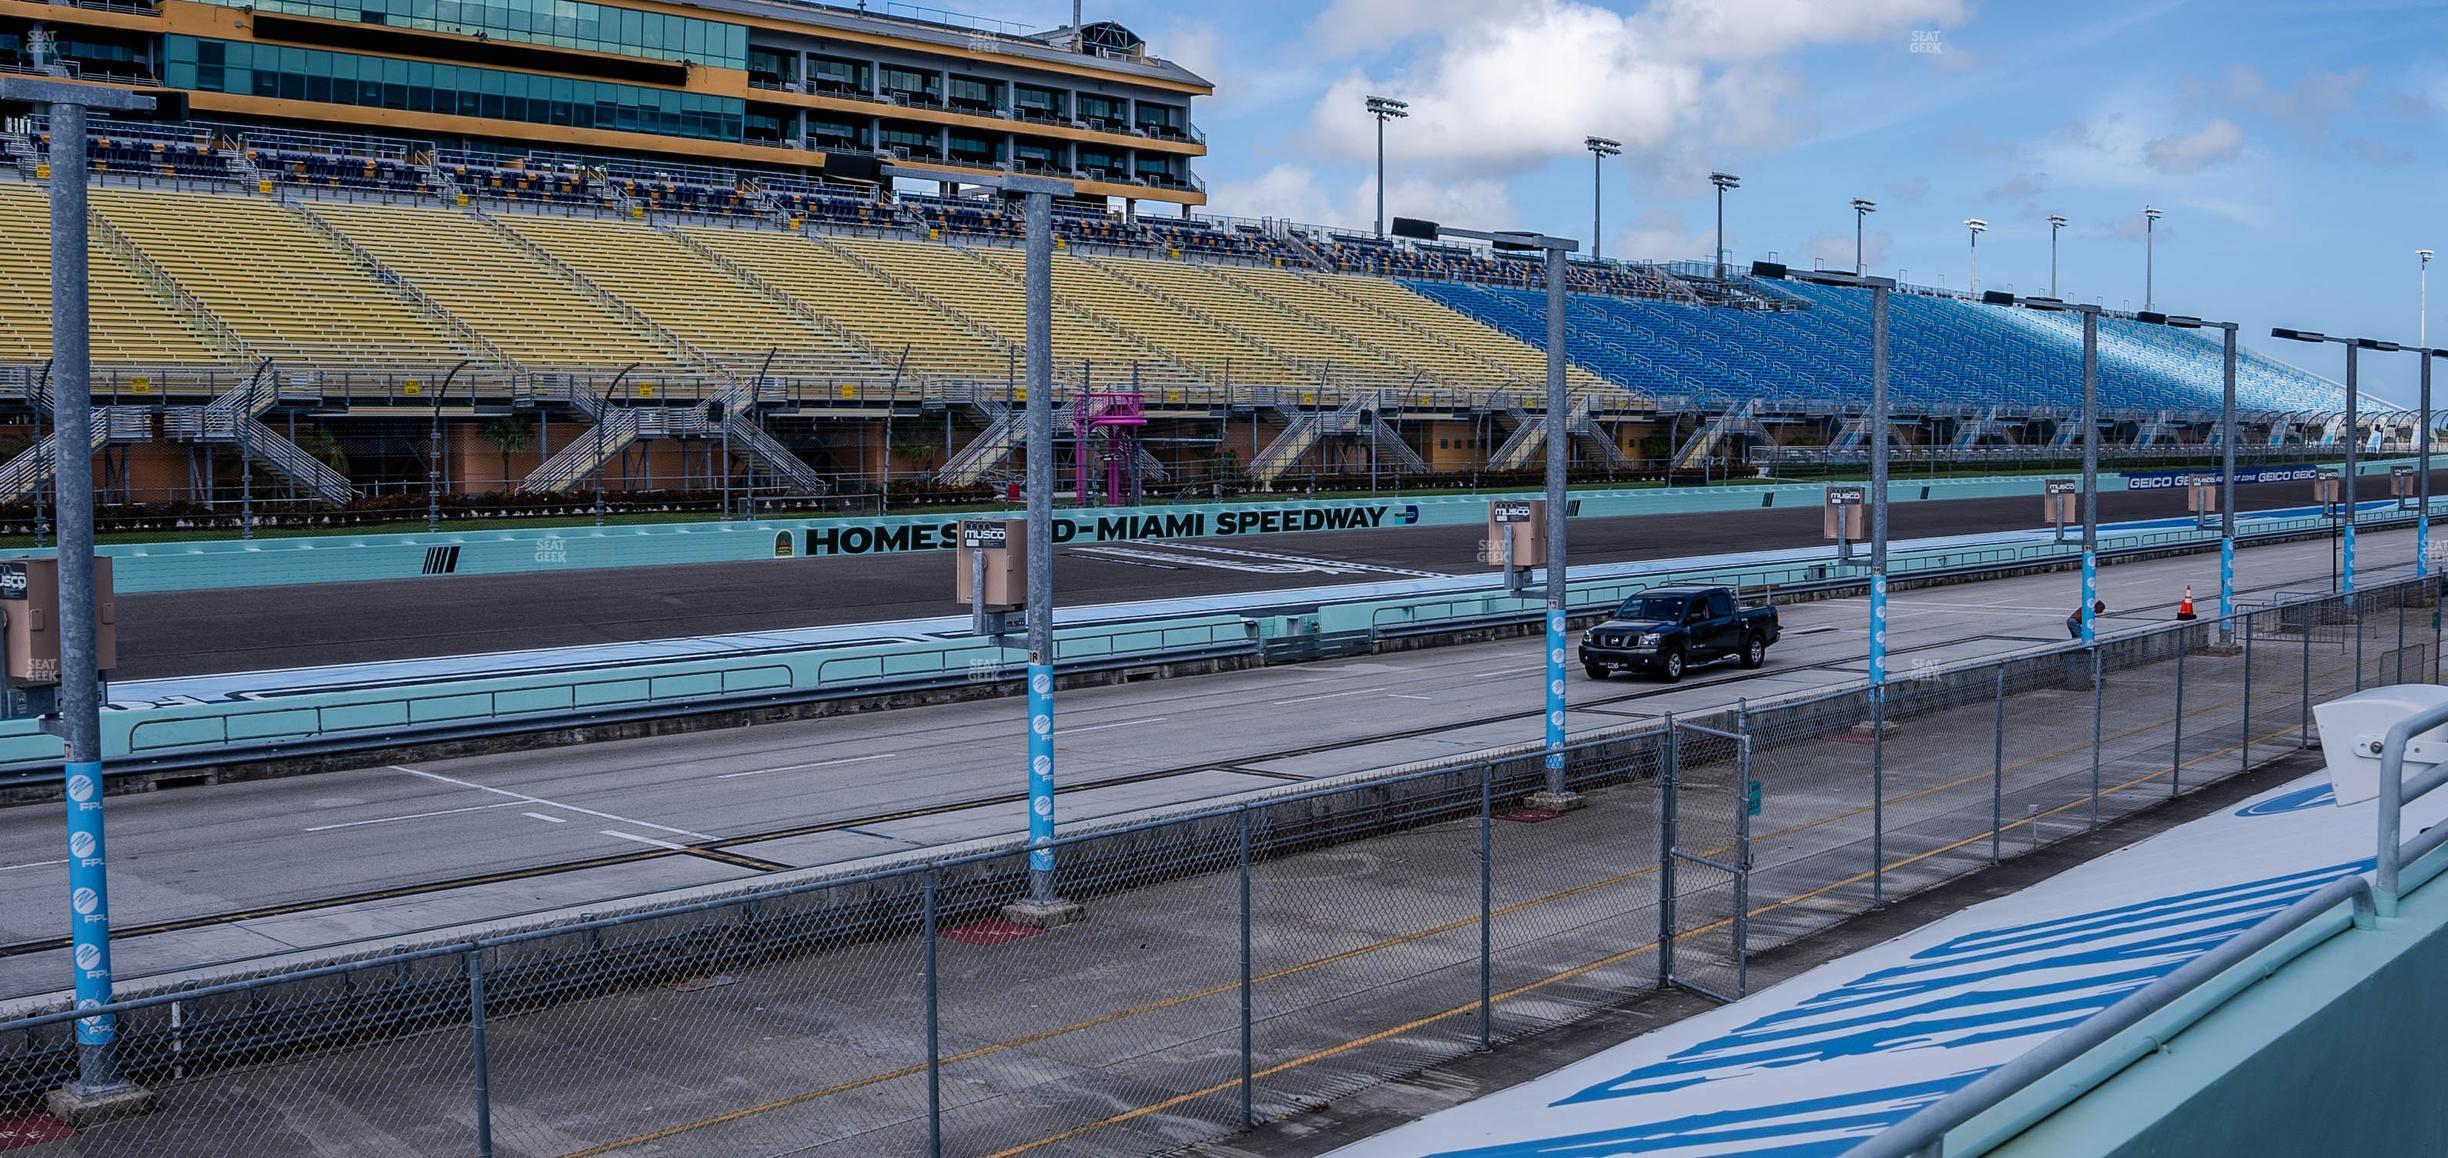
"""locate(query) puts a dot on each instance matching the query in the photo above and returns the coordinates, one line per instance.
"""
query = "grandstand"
(671, 302)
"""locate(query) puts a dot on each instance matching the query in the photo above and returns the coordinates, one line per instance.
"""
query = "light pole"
(2227, 439)
(1978, 227)
(2090, 436)
(98, 1091)
(1600, 149)
(1862, 207)
(1723, 182)
(1556, 796)
(2422, 300)
(2150, 234)
(2354, 346)
(433, 453)
(2422, 468)
(2057, 224)
(1384, 109)
(1044, 907)
(1879, 288)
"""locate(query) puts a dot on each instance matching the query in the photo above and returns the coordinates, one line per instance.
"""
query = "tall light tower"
(2057, 222)
(1723, 182)
(2150, 233)
(2422, 301)
(1384, 109)
(1862, 207)
(1978, 227)
(1600, 149)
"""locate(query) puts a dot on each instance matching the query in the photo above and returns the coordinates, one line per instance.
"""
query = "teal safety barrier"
(230, 563)
(397, 713)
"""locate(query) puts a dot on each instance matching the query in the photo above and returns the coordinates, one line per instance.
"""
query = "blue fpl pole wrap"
(2226, 578)
(2090, 596)
(88, 905)
(1878, 635)
(1041, 767)
(1555, 693)
(2346, 547)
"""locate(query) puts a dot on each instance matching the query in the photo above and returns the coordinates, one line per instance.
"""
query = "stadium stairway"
(29, 470)
(1696, 450)
(1304, 430)
(1521, 447)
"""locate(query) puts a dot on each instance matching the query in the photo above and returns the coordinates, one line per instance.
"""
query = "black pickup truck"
(1666, 630)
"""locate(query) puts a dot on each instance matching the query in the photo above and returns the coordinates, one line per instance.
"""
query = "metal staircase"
(1595, 441)
(231, 420)
(1528, 435)
(31, 468)
(1703, 443)
(1006, 431)
(2152, 431)
(1305, 430)
(1982, 427)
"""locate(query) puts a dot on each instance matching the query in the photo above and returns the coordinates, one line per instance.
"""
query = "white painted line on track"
(413, 816)
(1059, 730)
(547, 803)
(547, 819)
(1400, 696)
(1328, 696)
(645, 840)
(1509, 671)
(30, 864)
(805, 767)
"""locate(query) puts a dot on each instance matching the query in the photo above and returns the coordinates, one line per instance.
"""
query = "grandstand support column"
(98, 1092)
(1044, 907)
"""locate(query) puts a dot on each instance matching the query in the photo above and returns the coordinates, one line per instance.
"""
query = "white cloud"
(1513, 82)
(1293, 192)
(2315, 97)
(2213, 143)
(1658, 234)
(1835, 251)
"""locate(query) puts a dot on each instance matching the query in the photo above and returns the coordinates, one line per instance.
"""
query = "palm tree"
(509, 436)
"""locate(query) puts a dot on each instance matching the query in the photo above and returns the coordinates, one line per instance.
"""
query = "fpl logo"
(81, 845)
(84, 901)
(89, 957)
(80, 788)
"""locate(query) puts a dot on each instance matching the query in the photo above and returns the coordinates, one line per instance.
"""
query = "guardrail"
(152, 739)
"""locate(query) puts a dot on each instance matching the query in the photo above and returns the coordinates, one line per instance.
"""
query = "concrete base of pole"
(1886, 728)
(81, 1107)
(2229, 649)
(1554, 801)
(1052, 914)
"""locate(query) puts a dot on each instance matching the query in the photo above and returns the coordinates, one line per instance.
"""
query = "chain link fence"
(1238, 963)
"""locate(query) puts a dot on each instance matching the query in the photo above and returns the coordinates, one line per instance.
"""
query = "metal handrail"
(1923, 1134)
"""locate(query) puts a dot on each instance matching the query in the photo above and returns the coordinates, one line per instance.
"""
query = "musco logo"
(12, 581)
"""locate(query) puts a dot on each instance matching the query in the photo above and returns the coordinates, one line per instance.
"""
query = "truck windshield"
(1667, 608)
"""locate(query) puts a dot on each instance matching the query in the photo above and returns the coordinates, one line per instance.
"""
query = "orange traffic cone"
(2184, 610)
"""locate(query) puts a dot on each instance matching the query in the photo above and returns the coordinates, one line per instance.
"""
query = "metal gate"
(1706, 800)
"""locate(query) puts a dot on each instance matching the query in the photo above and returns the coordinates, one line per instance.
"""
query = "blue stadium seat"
(1943, 352)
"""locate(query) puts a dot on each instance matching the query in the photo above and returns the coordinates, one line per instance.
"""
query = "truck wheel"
(1670, 666)
(1597, 671)
(1754, 652)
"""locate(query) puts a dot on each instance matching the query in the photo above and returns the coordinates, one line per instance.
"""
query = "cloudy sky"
(2289, 144)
